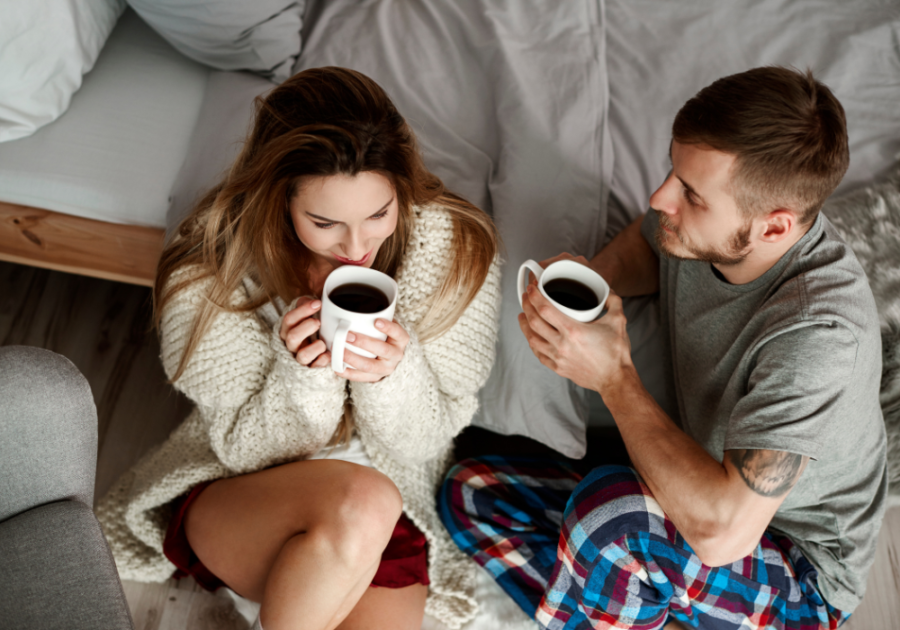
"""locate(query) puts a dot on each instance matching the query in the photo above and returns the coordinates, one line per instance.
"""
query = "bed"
(552, 116)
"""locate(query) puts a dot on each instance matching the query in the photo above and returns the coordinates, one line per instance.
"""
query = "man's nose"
(665, 199)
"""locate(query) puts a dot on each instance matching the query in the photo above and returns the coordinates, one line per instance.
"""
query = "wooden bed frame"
(42, 238)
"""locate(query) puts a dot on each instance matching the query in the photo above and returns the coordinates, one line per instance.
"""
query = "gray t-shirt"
(790, 362)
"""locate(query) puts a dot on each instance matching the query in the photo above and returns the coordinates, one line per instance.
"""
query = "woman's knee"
(361, 515)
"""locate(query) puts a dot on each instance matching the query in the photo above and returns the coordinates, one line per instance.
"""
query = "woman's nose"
(355, 246)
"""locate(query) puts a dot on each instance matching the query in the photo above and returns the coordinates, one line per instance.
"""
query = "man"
(759, 504)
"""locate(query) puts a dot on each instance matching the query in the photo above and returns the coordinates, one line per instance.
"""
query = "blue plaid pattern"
(600, 553)
(524, 506)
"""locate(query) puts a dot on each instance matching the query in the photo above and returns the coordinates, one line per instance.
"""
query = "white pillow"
(45, 48)
(262, 36)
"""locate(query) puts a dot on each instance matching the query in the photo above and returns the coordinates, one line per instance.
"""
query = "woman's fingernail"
(315, 305)
(379, 324)
(351, 337)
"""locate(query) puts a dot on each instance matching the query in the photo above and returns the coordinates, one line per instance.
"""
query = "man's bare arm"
(628, 263)
(768, 473)
(721, 509)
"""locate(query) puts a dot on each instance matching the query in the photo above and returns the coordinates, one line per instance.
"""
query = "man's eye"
(688, 197)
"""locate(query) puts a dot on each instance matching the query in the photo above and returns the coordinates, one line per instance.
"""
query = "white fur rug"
(869, 220)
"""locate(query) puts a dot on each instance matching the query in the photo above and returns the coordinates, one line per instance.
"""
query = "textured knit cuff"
(301, 378)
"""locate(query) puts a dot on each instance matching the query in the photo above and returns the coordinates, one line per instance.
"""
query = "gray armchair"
(56, 570)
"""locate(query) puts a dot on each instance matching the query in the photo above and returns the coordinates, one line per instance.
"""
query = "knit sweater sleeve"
(261, 407)
(431, 396)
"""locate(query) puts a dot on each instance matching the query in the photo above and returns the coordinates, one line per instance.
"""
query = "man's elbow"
(718, 546)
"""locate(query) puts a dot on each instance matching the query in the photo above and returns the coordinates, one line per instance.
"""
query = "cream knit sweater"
(257, 407)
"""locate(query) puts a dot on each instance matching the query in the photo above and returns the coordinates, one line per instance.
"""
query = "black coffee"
(359, 298)
(571, 294)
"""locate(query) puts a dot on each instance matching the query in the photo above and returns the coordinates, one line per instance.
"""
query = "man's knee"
(609, 503)
(462, 479)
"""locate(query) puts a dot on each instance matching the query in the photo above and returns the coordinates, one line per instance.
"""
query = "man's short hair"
(788, 131)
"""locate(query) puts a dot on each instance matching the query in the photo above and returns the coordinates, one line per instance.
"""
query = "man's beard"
(734, 252)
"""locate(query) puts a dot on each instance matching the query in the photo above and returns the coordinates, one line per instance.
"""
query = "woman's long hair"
(323, 121)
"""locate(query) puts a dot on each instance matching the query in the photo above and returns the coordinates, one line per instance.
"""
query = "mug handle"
(521, 284)
(338, 345)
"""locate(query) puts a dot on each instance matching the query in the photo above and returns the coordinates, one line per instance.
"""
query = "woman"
(310, 491)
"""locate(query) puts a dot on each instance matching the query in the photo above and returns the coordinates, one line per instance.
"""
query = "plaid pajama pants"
(599, 552)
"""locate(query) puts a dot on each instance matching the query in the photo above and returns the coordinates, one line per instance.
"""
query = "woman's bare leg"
(388, 609)
(304, 539)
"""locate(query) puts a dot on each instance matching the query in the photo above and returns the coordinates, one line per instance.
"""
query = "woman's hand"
(298, 331)
(388, 353)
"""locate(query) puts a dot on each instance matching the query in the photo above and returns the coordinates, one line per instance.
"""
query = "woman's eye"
(324, 226)
(380, 215)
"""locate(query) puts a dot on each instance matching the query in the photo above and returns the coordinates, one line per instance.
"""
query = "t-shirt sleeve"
(796, 394)
(648, 230)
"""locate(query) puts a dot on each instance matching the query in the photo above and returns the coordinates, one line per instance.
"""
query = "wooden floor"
(104, 328)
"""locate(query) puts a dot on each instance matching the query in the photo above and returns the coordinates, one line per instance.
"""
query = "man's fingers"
(536, 324)
(614, 303)
(546, 361)
(537, 307)
(549, 261)
(565, 256)
(538, 344)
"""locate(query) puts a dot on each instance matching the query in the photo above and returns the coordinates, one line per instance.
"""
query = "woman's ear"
(778, 225)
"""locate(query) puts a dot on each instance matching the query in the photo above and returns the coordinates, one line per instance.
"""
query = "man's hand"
(592, 355)
(567, 256)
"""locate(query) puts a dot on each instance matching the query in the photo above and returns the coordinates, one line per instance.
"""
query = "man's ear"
(778, 225)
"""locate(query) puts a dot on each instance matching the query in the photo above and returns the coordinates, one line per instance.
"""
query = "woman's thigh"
(237, 526)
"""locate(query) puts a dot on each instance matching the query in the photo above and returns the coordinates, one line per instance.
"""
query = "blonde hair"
(320, 122)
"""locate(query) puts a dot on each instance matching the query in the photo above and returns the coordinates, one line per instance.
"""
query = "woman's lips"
(347, 261)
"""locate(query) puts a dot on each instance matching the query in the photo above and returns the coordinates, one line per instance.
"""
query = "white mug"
(337, 321)
(568, 270)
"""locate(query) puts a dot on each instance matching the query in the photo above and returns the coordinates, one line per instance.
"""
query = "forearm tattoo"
(768, 473)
